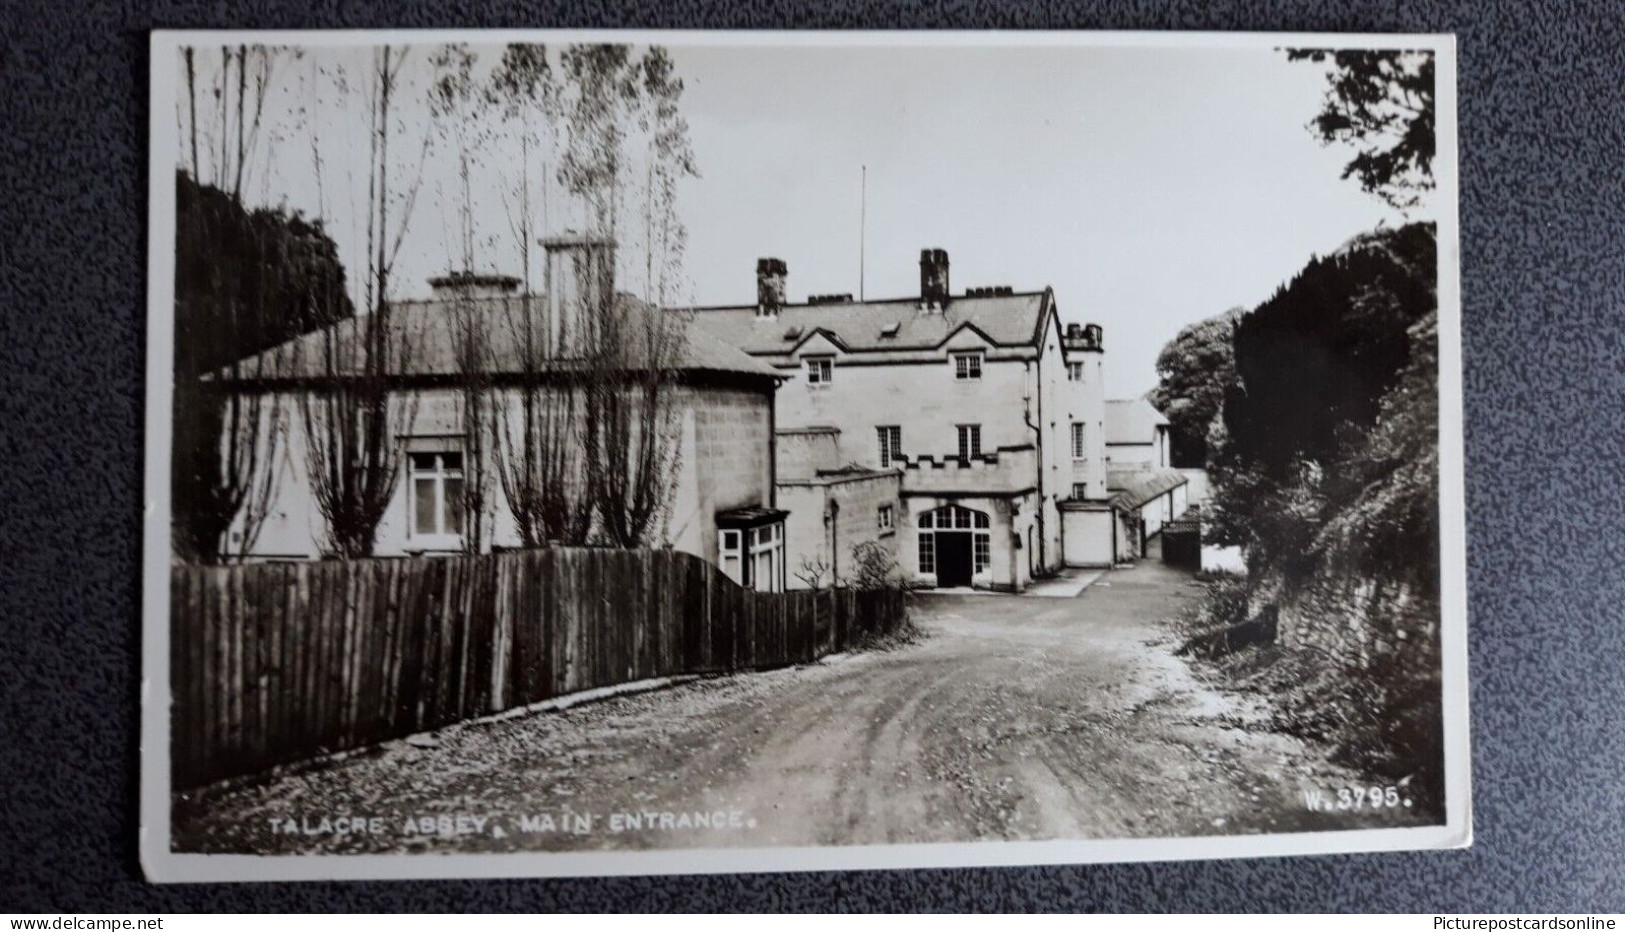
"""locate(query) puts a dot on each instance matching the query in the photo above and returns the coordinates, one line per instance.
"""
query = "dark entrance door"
(953, 560)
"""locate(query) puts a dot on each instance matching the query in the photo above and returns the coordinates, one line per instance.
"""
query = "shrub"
(873, 567)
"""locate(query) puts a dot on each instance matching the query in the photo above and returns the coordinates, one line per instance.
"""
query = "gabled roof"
(1132, 420)
(428, 327)
(892, 325)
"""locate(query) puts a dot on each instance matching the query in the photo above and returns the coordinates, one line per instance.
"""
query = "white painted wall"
(1016, 402)
(725, 462)
(1087, 405)
(1197, 485)
(1088, 537)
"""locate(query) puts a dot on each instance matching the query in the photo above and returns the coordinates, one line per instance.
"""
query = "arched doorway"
(955, 544)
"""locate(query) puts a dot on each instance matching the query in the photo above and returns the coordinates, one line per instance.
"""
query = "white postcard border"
(164, 865)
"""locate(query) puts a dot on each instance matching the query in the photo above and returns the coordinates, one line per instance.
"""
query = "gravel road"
(1011, 718)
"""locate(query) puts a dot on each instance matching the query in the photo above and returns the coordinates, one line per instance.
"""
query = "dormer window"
(820, 370)
(967, 366)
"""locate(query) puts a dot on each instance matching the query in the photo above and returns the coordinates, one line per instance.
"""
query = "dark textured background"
(1542, 116)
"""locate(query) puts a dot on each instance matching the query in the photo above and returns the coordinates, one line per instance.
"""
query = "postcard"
(579, 453)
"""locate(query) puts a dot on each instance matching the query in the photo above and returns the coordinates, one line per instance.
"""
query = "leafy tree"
(1325, 468)
(1324, 460)
(1193, 372)
(1313, 361)
(1381, 102)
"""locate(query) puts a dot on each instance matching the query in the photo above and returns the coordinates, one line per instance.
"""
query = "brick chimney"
(580, 276)
(1083, 337)
(771, 275)
(934, 279)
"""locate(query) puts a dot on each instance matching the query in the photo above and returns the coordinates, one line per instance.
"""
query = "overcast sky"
(1149, 187)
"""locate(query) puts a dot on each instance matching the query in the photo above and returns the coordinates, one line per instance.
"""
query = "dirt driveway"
(1013, 718)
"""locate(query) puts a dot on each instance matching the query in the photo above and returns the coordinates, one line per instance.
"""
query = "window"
(728, 545)
(967, 365)
(1080, 491)
(951, 519)
(1080, 449)
(970, 441)
(766, 558)
(436, 483)
(1074, 371)
(820, 370)
(891, 445)
(753, 557)
(884, 518)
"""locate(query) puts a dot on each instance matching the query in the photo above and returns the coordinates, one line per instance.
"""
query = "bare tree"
(457, 108)
(670, 159)
(630, 349)
(541, 460)
(240, 84)
(349, 420)
(813, 572)
(637, 410)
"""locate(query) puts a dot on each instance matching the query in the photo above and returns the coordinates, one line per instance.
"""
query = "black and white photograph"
(579, 453)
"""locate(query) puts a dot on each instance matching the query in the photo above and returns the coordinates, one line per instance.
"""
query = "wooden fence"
(273, 663)
(1182, 541)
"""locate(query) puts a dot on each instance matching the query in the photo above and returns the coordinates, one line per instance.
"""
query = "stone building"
(986, 413)
(836, 507)
(722, 503)
(1145, 489)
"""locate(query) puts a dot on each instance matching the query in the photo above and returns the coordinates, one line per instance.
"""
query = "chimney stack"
(770, 285)
(471, 284)
(580, 279)
(1083, 336)
(934, 278)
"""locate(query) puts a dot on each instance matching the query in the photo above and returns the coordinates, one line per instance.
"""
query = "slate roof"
(1132, 420)
(1141, 487)
(889, 326)
(428, 325)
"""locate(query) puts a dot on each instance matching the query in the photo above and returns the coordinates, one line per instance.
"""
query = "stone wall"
(1355, 619)
(804, 452)
(854, 502)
